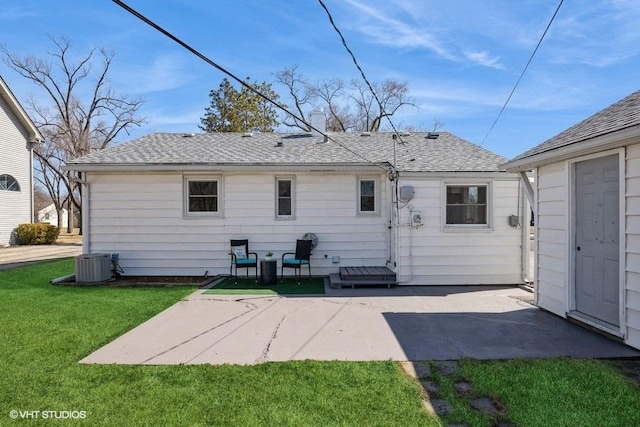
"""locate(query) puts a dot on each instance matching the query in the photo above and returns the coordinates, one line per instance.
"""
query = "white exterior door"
(597, 239)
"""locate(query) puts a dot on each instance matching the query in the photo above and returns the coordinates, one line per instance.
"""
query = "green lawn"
(47, 329)
(557, 392)
(288, 286)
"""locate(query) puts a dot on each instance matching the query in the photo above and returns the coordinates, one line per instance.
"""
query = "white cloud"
(485, 59)
(165, 72)
(392, 32)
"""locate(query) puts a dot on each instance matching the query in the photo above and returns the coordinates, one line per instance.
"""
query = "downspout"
(393, 177)
(86, 232)
(524, 214)
(32, 197)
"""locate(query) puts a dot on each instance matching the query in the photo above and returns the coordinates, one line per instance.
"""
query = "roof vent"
(279, 144)
(247, 134)
(188, 135)
(365, 134)
(432, 135)
(405, 133)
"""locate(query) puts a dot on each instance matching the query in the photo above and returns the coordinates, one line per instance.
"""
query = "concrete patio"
(404, 323)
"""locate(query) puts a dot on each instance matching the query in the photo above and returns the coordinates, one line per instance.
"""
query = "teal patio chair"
(241, 257)
(301, 258)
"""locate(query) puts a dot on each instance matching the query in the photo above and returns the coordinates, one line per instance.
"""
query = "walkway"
(16, 256)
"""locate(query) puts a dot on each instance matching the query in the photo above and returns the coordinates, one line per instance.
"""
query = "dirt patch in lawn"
(143, 281)
(630, 368)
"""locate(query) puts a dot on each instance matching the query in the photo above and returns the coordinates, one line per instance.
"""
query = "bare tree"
(392, 95)
(350, 108)
(300, 93)
(41, 200)
(82, 113)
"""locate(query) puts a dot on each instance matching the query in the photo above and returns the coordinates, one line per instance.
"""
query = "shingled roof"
(622, 115)
(415, 152)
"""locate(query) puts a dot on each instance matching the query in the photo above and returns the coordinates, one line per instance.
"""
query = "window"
(284, 197)
(467, 204)
(367, 196)
(203, 196)
(9, 183)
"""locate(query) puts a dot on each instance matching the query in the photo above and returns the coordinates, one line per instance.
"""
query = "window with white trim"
(367, 196)
(202, 196)
(467, 205)
(285, 197)
(9, 183)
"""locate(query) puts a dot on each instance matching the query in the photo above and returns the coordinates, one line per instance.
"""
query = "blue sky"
(460, 58)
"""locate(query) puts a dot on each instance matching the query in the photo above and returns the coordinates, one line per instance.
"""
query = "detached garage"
(586, 202)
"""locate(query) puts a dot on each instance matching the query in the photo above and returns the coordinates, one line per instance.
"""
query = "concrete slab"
(404, 323)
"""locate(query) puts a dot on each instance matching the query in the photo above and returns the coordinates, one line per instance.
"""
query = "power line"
(234, 77)
(355, 61)
(516, 85)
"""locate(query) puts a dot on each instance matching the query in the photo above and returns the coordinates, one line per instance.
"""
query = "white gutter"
(181, 167)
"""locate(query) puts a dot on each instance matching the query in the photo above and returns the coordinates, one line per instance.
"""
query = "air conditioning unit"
(91, 268)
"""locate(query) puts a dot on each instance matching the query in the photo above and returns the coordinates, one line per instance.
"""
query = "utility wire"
(516, 85)
(355, 61)
(234, 77)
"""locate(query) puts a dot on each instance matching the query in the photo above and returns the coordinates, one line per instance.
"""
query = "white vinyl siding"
(15, 160)
(632, 276)
(430, 255)
(140, 217)
(552, 223)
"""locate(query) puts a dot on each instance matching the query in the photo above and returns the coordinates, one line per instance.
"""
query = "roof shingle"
(416, 153)
(618, 116)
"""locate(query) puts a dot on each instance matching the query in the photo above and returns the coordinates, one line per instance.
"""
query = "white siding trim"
(276, 197)
(203, 177)
(465, 228)
(376, 183)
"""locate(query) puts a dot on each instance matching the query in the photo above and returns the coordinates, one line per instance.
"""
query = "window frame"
(376, 196)
(187, 196)
(9, 183)
(488, 226)
(277, 213)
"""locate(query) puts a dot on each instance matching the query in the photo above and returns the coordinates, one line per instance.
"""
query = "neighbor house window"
(285, 202)
(202, 196)
(9, 183)
(467, 204)
(367, 196)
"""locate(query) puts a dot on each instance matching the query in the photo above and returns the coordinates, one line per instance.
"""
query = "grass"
(47, 329)
(288, 286)
(555, 392)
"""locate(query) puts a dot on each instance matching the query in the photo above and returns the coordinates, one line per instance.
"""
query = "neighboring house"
(587, 210)
(18, 135)
(50, 215)
(432, 207)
